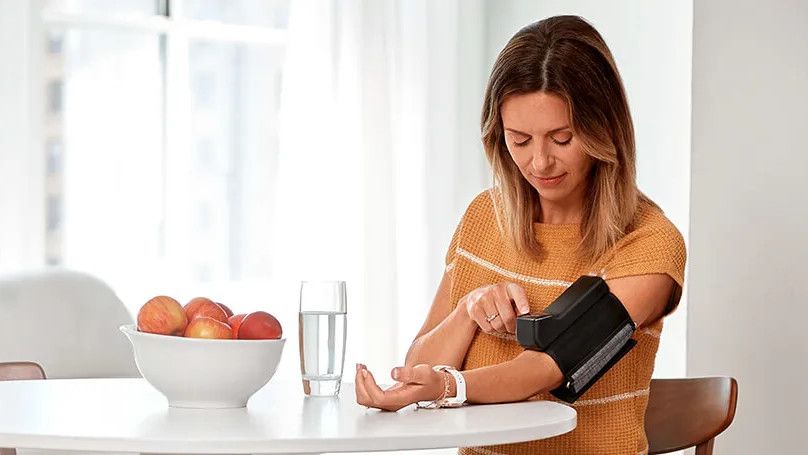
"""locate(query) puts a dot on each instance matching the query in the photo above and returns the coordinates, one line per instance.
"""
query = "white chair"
(67, 322)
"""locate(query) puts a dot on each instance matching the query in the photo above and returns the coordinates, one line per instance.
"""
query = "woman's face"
(541, 142)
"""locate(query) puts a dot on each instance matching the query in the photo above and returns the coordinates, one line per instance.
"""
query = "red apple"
(260, 326)
(205, 327)
(235, 322)
(193, 306)
(162, 315)
(227, 310)
(205, 308)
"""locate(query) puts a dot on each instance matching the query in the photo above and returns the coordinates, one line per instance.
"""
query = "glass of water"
(323, 309)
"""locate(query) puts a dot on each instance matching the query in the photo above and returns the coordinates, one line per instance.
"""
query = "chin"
(552, 194)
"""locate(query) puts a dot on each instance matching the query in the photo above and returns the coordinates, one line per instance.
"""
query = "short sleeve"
(473, 210)
(451, 252)
(655, 247)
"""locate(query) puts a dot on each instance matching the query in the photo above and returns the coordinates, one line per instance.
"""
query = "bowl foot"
(207, 404)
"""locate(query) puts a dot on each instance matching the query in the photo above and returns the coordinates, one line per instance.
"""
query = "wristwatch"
(460, 395)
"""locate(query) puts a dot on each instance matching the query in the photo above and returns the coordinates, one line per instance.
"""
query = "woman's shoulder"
(476, 225)
(482, 208)
(651, 220)
(483, 202)
(652, 244)
(479, 221)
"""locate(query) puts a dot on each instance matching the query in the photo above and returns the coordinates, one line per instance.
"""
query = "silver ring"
(491, 318)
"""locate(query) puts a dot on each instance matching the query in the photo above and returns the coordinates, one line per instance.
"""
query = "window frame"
(176, 34)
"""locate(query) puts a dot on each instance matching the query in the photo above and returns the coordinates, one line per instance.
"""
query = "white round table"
(127, 415)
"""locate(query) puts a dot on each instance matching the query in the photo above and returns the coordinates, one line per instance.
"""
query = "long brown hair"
(566, 56)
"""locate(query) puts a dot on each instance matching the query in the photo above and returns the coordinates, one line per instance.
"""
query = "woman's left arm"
(645, 297)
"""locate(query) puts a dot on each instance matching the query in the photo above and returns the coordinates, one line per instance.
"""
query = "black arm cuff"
(586, 331)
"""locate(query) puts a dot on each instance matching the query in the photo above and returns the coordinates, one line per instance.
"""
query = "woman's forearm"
(529, 373)
(447, 343)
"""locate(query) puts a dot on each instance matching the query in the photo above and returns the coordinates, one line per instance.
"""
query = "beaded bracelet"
(438, 401)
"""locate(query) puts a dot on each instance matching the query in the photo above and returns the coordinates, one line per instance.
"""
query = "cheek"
(519, 156)
(582, 162)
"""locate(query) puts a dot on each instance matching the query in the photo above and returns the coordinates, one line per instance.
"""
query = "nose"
(541, 160)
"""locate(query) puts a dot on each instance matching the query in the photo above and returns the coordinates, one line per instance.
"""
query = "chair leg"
(705, 448)
(8, 452)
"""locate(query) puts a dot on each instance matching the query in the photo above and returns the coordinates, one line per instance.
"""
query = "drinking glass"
(321, 336)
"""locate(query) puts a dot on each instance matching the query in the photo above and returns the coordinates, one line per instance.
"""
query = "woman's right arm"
(447, 333)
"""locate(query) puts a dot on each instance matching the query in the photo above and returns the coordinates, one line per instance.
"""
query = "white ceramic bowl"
(200, 373)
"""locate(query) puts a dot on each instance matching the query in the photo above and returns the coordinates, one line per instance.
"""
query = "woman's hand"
(418, 383)
(494, 308)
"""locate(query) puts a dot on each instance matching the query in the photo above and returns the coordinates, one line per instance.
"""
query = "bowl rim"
(131, 329)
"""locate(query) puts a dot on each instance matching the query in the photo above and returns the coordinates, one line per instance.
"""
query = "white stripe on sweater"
(610, 399)
(508, 336)
(512, 275)
(484, 451)
(651, 332)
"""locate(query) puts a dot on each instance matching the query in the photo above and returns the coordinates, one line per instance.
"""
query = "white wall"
(749, 216)
(651, 42)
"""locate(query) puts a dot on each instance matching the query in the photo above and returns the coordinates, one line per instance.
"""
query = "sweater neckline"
(567, 231)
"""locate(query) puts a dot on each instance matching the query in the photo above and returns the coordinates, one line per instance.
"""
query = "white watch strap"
(460, 385)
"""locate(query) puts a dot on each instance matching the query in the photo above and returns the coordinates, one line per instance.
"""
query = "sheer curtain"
(379, 154)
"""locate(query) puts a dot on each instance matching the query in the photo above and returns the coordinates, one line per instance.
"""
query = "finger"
(479, 316)
(519, 296)
(473, 300)
(475, 310)
(505, 308)
(491, 309)
(362, 396)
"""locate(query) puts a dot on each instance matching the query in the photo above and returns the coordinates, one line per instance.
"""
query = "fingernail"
(364, 373)
(525, 311)
(395, 373)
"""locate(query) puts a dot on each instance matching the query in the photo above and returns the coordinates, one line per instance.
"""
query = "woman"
(559, 137)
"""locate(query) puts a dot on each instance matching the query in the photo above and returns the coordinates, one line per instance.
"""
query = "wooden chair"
(689, 412)
(10, 371)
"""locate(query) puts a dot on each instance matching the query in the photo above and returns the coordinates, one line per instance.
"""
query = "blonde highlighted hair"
(565, 56)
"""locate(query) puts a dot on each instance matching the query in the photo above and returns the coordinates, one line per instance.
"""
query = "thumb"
(411, 375)
(402, 374)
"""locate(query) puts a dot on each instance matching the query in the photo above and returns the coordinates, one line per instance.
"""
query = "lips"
(550, 181)
(549, 178)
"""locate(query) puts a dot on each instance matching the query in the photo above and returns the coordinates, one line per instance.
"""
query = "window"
(160, 139)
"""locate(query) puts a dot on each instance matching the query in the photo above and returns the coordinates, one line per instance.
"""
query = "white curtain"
(379, 155)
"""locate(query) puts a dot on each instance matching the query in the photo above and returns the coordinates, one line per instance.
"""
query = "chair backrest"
(65, 321)
(689, 412)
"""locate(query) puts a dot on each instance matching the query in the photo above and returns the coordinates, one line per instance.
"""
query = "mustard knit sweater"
(611, 413)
